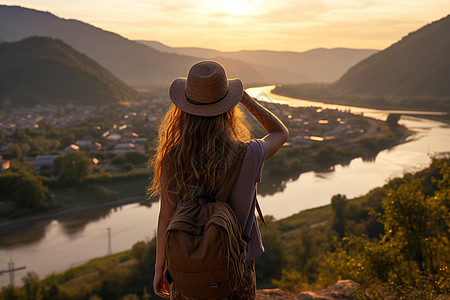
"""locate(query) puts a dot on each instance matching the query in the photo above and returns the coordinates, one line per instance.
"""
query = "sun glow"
(236, 7)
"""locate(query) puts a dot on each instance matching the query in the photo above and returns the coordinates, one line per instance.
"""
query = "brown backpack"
(205, 244)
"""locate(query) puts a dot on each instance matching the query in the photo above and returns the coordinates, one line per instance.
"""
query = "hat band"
(203, 103)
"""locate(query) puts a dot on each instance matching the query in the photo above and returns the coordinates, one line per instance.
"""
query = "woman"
(198, 139)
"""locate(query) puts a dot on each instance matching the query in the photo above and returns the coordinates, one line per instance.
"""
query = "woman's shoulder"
(256, 145)
(256, 149)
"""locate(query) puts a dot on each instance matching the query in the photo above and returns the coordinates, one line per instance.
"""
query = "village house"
(87, 145)
(4, 164)
(71, 148)
(124, 147)
(44, 161)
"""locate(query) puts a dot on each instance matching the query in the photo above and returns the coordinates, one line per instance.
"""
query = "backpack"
(205, 245)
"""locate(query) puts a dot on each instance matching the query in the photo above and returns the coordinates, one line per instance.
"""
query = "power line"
(11, 269)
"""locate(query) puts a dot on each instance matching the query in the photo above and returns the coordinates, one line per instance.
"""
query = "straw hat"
(206, 91)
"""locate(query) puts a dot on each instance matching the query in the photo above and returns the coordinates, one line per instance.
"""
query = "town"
(135, 129)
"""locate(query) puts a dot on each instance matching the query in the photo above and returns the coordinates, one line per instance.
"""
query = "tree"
(411, 258)
(339, 208)
(327, 155)
(73, 167)
(32, 286)
(21, 186)
(270, 264)
(392, 120)
(291, 281)
(11, 292)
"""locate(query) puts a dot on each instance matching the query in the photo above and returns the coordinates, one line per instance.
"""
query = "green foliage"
(11, 292)
(392, 120)
(55, 73)
(282, 164)
(32, 286)
(291, 281)
(131, 157)
(339, 207)
(22, 187)
(73, 167)
(141, 279)
(113, 281)
(411, 258)
(140, 250)
(270, 264)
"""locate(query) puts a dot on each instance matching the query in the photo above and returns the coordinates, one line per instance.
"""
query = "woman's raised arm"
(277, 132)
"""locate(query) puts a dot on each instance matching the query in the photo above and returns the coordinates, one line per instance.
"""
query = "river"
(56, 244)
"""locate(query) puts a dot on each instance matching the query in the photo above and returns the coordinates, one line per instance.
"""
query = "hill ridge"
(415, 66)
(43, 70)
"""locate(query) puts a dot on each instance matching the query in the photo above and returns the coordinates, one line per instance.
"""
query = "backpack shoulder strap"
(230, 180)
(232, 174)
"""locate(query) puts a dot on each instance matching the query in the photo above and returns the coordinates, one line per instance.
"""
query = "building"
(4, 164)
(44, 161)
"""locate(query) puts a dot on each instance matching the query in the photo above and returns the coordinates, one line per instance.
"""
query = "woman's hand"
(160, 285)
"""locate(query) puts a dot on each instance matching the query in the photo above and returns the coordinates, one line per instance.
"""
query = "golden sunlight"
(236, 7)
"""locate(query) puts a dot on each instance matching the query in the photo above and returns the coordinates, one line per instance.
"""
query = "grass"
(313, 217)
(89, 275)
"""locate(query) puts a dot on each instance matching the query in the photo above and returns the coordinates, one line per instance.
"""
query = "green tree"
(411, 258)
(392, 120)
(32, 286)
(73, 167)
(21, 186)
(270, 264)
(135, 157)
(11, 292)
(326, 155)
(339, 208)
(291, 281)
(15, 151)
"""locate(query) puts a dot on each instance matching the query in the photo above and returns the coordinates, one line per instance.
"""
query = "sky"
(232, 25)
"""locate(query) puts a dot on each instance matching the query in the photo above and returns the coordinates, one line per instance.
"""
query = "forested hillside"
(41, 70)
(416, 66)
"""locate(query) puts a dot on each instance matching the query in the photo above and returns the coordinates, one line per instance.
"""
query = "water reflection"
(24, 235)
(369, 157)
(54, 245)
(71, 225)
(273, 184)
(75, 224)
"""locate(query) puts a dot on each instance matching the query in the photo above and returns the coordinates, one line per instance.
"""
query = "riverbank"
(321, 139)
(315, 93)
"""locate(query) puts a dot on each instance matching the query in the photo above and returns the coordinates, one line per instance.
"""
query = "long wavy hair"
(195, 152)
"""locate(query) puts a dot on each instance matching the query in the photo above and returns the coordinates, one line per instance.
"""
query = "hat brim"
(177, 93)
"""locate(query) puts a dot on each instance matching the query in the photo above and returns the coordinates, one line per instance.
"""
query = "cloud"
(267, 24)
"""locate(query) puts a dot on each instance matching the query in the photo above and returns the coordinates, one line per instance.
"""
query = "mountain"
(132, 62)
(190, 51)
(317, 65)
(151, 63)
(42, 70)
(417, 66)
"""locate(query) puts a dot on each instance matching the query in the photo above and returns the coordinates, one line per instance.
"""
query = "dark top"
(243, 195)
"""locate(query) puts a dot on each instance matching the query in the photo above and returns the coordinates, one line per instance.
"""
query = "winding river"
(56, 244)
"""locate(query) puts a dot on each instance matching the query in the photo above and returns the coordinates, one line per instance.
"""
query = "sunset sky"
(294, 25)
